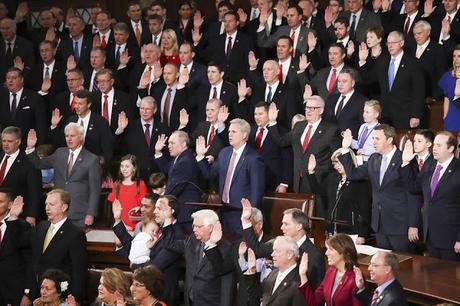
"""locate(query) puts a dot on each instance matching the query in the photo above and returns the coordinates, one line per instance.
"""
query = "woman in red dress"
(169, 48)
(129, 189)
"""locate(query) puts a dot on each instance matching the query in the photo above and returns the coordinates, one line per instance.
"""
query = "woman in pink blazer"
(338, 286)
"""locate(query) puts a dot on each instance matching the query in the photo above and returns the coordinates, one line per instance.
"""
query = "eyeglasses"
(393, 42)
(312, 108)
(373, 265)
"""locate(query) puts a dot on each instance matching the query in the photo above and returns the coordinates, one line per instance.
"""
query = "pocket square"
(26, 107)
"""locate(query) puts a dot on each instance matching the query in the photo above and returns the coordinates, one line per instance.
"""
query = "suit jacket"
(22, 48)
(366, 20)
(134, 142)
(197, 78)
(203, 130)
(319, 82)
(322, 144)
(65, 49)
(34, 80)
(83, 183)
(30, 114)
(160, 256)
(392, 213)
(351, 116)
(133, 51)
(343, 295)
(120, 104)
(393, 295)
(247, 179)
(203, 284)
(24, 180)
(406, 98)
(441, 210)
(270, 41)
(436, 24)
(66, 251)
(144, 32)
(285, 294)
(62, 103)
(14, 258)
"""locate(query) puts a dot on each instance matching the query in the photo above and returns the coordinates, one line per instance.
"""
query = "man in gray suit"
(293, 29)
(76, 170)
(360, 19)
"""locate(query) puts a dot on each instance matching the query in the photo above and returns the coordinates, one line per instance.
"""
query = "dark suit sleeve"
(221, 263)
(79, 261)
(354, 173)
(253, 288)
(257, 177)
(34, 192)
(260, 249)
(165, 257)
(40, 120)
(364, 297)
(418, 92)
(124, 237)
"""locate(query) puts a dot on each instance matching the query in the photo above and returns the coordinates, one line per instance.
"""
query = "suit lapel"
(318, 133)
(445, 176)
(285, 283)
(240, 163)
(77, 162)
(390, 168)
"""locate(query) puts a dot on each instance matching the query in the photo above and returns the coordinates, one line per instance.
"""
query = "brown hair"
(452, 141)
(152, 278)
(134, 177)
(388, 130)
(344, 245)
(116, 280)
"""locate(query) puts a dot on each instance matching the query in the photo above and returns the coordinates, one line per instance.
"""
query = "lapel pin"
(236, 41)
(402, 66)
(285, 284)
(279, 91)
(319, 132)
(223, 92)
(449, 171)
(60, 232)
(393, 164)
(79, 159)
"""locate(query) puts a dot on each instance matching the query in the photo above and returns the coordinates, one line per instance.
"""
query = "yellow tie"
(138, 34)
(48, 237)
(419, 52)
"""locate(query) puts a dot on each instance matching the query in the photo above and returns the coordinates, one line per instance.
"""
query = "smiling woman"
(54, 288)
(148, 286)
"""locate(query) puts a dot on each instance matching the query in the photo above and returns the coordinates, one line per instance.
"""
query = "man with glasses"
(383, 269)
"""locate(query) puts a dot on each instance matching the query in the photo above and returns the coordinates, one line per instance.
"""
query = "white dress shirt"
(218, 89)
(10, 161)
(313, 130)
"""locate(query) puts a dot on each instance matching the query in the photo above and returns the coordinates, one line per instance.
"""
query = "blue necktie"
(391, 74)
(76, 51)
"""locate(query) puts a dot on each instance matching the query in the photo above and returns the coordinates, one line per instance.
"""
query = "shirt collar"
(425, 45)
(383, 286)
(390, 154)
(14, 155)
(398, 57)
(301, 240)
(446, 163)
(18, 94)
(240, 150)
(283, 274)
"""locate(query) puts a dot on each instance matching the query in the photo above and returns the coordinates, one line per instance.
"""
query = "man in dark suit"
(158, 7)
(154, 33)
(402, 86)
(439, 182)
(393, 216)
(295, 225)
(78, 45)
(204, 284)
(12, 46)
(22, 107)
(181, 171)
(346, 108)
(165, 260)
(198, 71)
(76, 170)
(98, 57)
(404, 23)
(383, 269)
(314, 22)
(138, 28)
(446, 26)
(239, 170)
(360, 19)
(19, 175)
(139, 137)
(57, 244)
(105, 33)
(122, 44)
(13, 256)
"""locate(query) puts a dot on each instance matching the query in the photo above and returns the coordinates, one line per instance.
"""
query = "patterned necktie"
(363, 138)
(147, 134)
(105, 108)
(406, 26)
(214, 93)
(375, 296)
(76, 52)
(70, 164)
(229, 47)
(138, 34)
(435, 178)
(103, 42)
(212, 134)
(269, 95)
(420, 164)
(117, 57)
(353, 26)
(47, 72)
(166, 107)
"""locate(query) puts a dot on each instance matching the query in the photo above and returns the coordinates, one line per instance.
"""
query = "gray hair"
(398, 34)
(12, 130)
(316, 98)
(256, 215)
(289, 245)
(121, 26)
(150, 100)
(182, 136)
(11, 22)
(244, 125)
(207, 215)
(75, 126)
(423, 24)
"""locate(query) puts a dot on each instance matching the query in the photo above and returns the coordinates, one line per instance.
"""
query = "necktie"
(419, 52)
(254, 14)
(47, 72)
(48, 237)
(70, 164)
(391, 73)
(435, 178)
(375, 296)
(72, 103)
(406, 26)
(448, 18)
(3, 169)
(147, 133)
(420, 164)
(214, 94)
(148, 85)
(330, 87)
(82, 124)
(229, 47)
(166, 107)
(363, 138)
(13, 106)
(280, 74)
(228, 179)
(9, 55)
(212, 134)
(383, 168)
(103, 42)
(353, 26)
(340, 107)
(259, 139)
(138, 34)
(201, 252)
(155, 37)
(105, 108)
(76, 52)
(1, 235)
(293, 42)
(95, 87)
(269, 95)
(306, 140)
(117, 57)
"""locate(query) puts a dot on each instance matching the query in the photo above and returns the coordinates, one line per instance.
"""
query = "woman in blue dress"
(448, 83)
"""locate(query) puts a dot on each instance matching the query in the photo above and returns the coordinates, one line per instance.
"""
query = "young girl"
(363, 144)
(129, 189)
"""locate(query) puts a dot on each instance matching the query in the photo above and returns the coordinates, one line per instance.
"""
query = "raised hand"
(414, 122)
(124, 58)
(16, 208)
(272, 112)
(428, 8)
(143, 54)
(216, 234)
(71, 63)
(350, 48)
(157, 71)
(120, 299)
(201, 147)
(311, 164)
(376, 5)
(243, 16)
(303, 62)
(242, 89)
(363, 52)
(122, 121)
(55, 117)
(263, 17)
(96, 41)
(307, 92)
(347, 138)
(46, 84)
(161, 143)
(412, 234)
(243, 247)
(281, 10)
(328, 16)
(210, 159)
(196, 36)
(50, 34)
(89, 220)
(253, 61)
(247, 210)
(408, 153)
(18, 63)
(70, 301)
(116, 210)
(184, 77)
(223, 114)
(31, 139)
(252, 261)
(303, 268)
(386, 5)
(183, 118)
(22, 11)
(445, 28)
(359, 279)
(312, 41)
(145, 79)
(197, 19)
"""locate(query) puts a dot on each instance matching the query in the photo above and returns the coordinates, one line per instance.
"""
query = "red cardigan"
(343, 295)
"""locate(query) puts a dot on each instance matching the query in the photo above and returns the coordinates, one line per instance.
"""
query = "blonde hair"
(175, 45)
(375, 104)
(116, 280)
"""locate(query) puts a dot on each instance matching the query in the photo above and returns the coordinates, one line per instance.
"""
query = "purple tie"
(363, 138)
(435, 178)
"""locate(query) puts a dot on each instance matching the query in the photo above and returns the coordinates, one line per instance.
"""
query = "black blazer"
(30, 114)
(66, 251)
(120, 104)
(65, 49)
(198, 77)
(393, 295)
(351, 116)
(34, 79)
(132, 34)
(203, 130)
(133, 51)
(22, 48)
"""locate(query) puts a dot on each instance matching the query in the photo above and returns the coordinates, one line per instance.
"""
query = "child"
(143, 242)
(364, 144)
(157, 183)
(423, 140)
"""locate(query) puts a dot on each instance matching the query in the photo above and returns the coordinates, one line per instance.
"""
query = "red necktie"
(105, 108)
(103, 42)
(280, 74)
(406, 25)
(375, 296)
(293, 41)
(330, 87)
(420, 164)
(166, 107)
(72, 103)
(3, 169)
(147, 133)
(212, 134)
(259, 139)
(306, 139)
